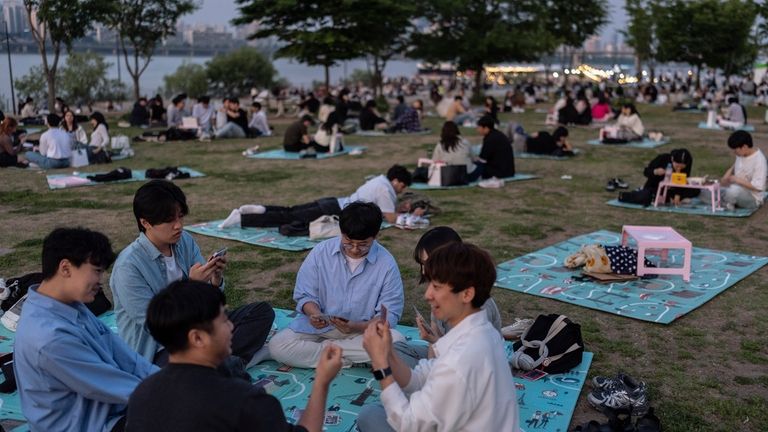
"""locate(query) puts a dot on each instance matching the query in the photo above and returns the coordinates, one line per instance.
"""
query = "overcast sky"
(221, 11)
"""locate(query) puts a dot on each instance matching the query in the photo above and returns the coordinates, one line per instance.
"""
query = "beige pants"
(303, 349)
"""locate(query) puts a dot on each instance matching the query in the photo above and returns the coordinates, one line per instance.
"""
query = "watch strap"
(380, 374)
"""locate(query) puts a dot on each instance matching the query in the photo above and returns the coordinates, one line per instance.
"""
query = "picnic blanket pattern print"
(553, 397)
(65, 181)
(425, 186)
(646, 143)
(282, 154)
(267, 237)
(696, 206)
(661, 300)
(746, 128)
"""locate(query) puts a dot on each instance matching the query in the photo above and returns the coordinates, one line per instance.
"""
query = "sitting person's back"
(139, 113)
(369, 119)
(454, 150)
(496, 151)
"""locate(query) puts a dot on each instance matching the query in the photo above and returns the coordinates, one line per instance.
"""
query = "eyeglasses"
(362, 246)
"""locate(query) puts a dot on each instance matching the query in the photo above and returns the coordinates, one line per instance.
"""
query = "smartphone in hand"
(384, 314)
(427, 324)
(219, 253)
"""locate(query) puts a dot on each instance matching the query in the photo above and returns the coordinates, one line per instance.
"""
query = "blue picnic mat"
(525, 155)
(282, 154)
(646, 143)
(696, 206)
(661, 300)
(555, 395)
(267, 237)
(138, 175)
(425, 186)
(747, 128)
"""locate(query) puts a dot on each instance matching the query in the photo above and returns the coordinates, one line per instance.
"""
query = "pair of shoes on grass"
(618, 393)
(616, 183)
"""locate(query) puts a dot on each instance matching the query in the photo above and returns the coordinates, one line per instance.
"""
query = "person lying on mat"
(468, 386)
(164, 253)
(628, 127)
(73, 372)
(411, 353)
(736, 116)
(190, 393)
(496, 152)
(380, 190)
(453, 149)
(743, 184)
(341, 286)
(555, 144)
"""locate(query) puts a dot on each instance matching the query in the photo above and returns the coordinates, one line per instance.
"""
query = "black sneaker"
(618, 395)
(610, 186)
(621, 184)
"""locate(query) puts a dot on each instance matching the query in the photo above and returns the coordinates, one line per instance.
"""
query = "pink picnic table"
(713, 188)
(660, 238)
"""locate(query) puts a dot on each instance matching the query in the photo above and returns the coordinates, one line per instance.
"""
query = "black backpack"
(553, 344)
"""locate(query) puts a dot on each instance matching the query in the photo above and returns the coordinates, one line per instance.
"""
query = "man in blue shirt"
(343, 283)
(73, 373)
(164, 253)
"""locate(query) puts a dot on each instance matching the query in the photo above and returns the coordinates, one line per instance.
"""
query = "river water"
(152, 79)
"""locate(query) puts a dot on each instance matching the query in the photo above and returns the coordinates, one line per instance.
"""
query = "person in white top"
(203, 112)
(175, 110)
(69, 124)
(743, 184)
(453, 149)
(97, 148)
(468, 385)
(258, 125)
(628, 127)
(736, 116)
(55, 146)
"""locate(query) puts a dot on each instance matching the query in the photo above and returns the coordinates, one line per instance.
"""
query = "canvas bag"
(79, 158)
(553, 343)
(120, 142)
(325, 226)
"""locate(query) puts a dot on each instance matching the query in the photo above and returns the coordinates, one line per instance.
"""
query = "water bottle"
(668, 173)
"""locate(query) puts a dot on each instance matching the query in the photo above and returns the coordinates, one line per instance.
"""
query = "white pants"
(303, 349)
(734, 194)
(727, 124)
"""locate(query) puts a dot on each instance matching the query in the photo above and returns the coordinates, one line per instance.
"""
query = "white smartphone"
(219, 253)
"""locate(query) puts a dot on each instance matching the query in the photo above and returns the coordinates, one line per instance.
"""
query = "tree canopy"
(237, 72)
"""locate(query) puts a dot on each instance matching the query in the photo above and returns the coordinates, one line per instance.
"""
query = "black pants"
(297, 147)
(120, 425)
(276, 216)
(253, 323)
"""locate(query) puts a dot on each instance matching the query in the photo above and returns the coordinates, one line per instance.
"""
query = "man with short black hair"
(297, 137)
(258, 126)
(743, 184)
(237, 120)
(468, 386)
(204, 113)
(175, 111)
(55, 146)
(342, 284)
(496, 152)
(73, 372)
(164, 253)
(190, 394)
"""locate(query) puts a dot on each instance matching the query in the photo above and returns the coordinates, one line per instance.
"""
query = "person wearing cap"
(297, 137)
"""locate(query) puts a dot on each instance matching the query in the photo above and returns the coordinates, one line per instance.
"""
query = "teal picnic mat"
(267, 237)
(138, 175)
(282, 154)
(554, 395)
(747, 128)
(646, 143)
(425, 186)
(696, 206)
(661, 300)
(545, 156)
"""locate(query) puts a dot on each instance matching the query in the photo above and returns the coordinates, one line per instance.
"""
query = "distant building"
(15, 15)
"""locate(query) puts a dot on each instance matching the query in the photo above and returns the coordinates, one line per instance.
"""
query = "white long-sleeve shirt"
(467, 387)
(259, 121)
(203, 114)
(56, 144)
(99, 137)
(753, 168)
(631, 122)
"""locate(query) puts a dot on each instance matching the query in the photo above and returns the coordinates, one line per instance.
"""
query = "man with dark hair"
(468, 385)
(380, 190)
(55, 146)
(175, 111)
(496, 152)
(258, 125)
(73, 372)
(410, 121)
(164, 253)
(139, 114)
(743, 185)
(400, 108)
(204, 113)
(297, 137)
(189, 394)
(342, 284)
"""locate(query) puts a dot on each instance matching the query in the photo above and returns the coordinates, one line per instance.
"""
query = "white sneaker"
(10, 318)
(231, 220)
(514, 331)
(491, 183)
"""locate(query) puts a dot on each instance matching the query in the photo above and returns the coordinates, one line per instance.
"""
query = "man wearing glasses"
(343, 283)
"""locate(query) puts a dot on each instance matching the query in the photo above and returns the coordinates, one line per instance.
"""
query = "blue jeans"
(46, 162)
(230, 130)
(373, 418)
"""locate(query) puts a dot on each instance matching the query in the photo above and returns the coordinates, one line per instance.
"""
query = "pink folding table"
(658, 238)
(713, 188)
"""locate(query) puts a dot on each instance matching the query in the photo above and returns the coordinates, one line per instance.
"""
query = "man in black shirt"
(297, 137)
(497, 153)
(237, 120)
(190, 394)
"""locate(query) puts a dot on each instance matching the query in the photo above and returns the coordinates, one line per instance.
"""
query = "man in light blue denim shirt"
(343, 283)
(73, 373)
(164, 253)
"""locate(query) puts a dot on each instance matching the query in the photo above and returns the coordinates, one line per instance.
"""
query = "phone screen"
(427, 324)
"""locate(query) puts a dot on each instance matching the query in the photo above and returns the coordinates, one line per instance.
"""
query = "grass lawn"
(707, 371)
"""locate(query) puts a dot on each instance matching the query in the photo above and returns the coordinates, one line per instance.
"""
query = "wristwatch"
(380, 374)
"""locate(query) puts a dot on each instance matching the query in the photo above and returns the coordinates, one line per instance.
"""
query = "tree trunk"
(698, 77)
(638, 68)
(327, 77)
(477, 95)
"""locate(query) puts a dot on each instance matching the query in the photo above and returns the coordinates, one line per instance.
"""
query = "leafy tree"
(32, 84)
(237, 72)
(308, 30)
(141, 24)
(189, 78)
(112, 90)
(641, 32)
(474, 33)
(83, 76)
(55, 24)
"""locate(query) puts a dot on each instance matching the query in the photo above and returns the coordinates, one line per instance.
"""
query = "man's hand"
(318, 321)
(377, 341)
(345, 326)
(419, 211)
(329, 364)
(203, 272)
(426, 335)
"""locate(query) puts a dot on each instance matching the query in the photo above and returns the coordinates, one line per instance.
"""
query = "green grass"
(706, 371)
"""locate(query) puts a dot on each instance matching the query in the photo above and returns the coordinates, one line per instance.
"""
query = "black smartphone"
(219, 253)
